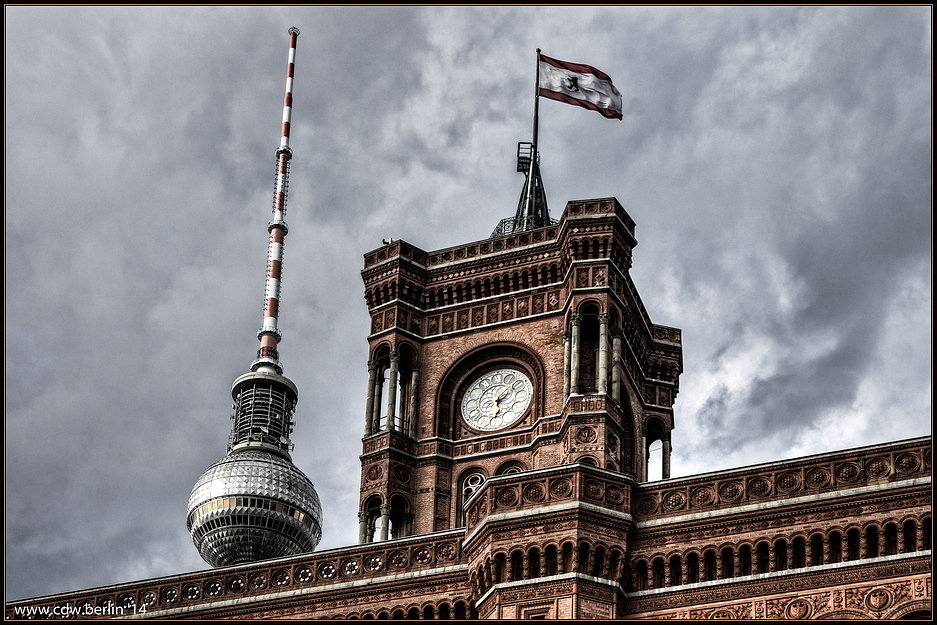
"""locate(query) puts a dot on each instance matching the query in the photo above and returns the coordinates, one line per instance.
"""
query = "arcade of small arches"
(781, 553)
(386, 521)
(441, 610)
(462, 292)
(593, 365)
(532, 562)
(399, 372)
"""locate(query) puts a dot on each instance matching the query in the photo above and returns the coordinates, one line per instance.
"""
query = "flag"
(578, 84)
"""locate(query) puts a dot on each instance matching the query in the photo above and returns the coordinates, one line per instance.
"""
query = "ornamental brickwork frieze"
(782, 481)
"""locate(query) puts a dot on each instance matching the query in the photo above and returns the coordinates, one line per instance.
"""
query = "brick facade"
(551, 515)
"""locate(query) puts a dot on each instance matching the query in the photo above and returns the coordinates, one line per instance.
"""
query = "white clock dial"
(497, 399)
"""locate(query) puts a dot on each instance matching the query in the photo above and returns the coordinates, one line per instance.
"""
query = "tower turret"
(254, 504)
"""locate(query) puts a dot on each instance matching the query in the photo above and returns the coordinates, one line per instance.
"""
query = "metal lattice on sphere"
(253, 505)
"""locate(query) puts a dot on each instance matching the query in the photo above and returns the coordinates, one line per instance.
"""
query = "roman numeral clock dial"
(497, 399)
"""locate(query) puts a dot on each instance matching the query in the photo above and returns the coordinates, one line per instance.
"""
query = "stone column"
(863, 545)
(667, 572)
(919, 536)
(616, 367)
(543, 563)
(369, 409)
(665, 458)
(567, 338)
(362, 527)
(684, 571)
(378, 390)
(642, 451)
(574, 356)
(392, 390)
(601, 382)
(385, 521)
(526, 562)
(737, 562)
(790, 556)
(414, 396)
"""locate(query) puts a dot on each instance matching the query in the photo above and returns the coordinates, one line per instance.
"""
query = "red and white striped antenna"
(269, 335)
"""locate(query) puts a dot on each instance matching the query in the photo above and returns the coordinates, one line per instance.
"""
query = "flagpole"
(533, 147)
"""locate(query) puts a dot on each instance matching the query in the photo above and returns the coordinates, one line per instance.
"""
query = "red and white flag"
(581, 85)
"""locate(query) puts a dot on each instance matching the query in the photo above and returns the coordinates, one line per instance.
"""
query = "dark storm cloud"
(776, 161)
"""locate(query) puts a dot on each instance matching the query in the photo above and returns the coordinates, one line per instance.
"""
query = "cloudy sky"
(777, 162)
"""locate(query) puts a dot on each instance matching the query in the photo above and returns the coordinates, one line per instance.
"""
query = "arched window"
(709, 562)
(871, 541)
(472, 481)
(780, 555)
(836, 547)
(762, 557)
(692, 565)
(675, 571)
(800, 552)
(658, 572)
(589, 349)
(640, 572)
(891, 539)
(533, 562)
(909, 531)
(510, 468)
(816, 550)
(728, 563)
(745, 555)
(852, 544)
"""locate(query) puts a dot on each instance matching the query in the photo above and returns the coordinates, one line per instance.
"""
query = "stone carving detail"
(422, 556)
(593, 489)
(674, 501)
(507, 497)
(878, 599)
(788, 482)
(375, 471)
(646, 505)
(533, 493)
(759, 487)
(258, 581)
(327, 570)
(169, 595)
(798, 609)
(906, 463)
(303, 574)
(614, 495)
(730, 491)
(817, 478)
(236, 584)
(399, 559)
(281, 577)
(702, 497)
(847, 472)
(350, 567)
(586, 435)
(191, 592)
(446, 551)
(402, 474)
(877, 467)
(561, 488)
(374, 563)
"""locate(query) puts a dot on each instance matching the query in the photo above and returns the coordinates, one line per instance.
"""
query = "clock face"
(497, 399)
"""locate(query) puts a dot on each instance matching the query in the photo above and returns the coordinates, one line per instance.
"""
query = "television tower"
(254, 504)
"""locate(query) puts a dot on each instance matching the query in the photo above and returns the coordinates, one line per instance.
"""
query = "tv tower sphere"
(254, 504)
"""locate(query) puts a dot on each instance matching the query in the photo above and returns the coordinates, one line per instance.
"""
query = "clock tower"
(522, 352)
